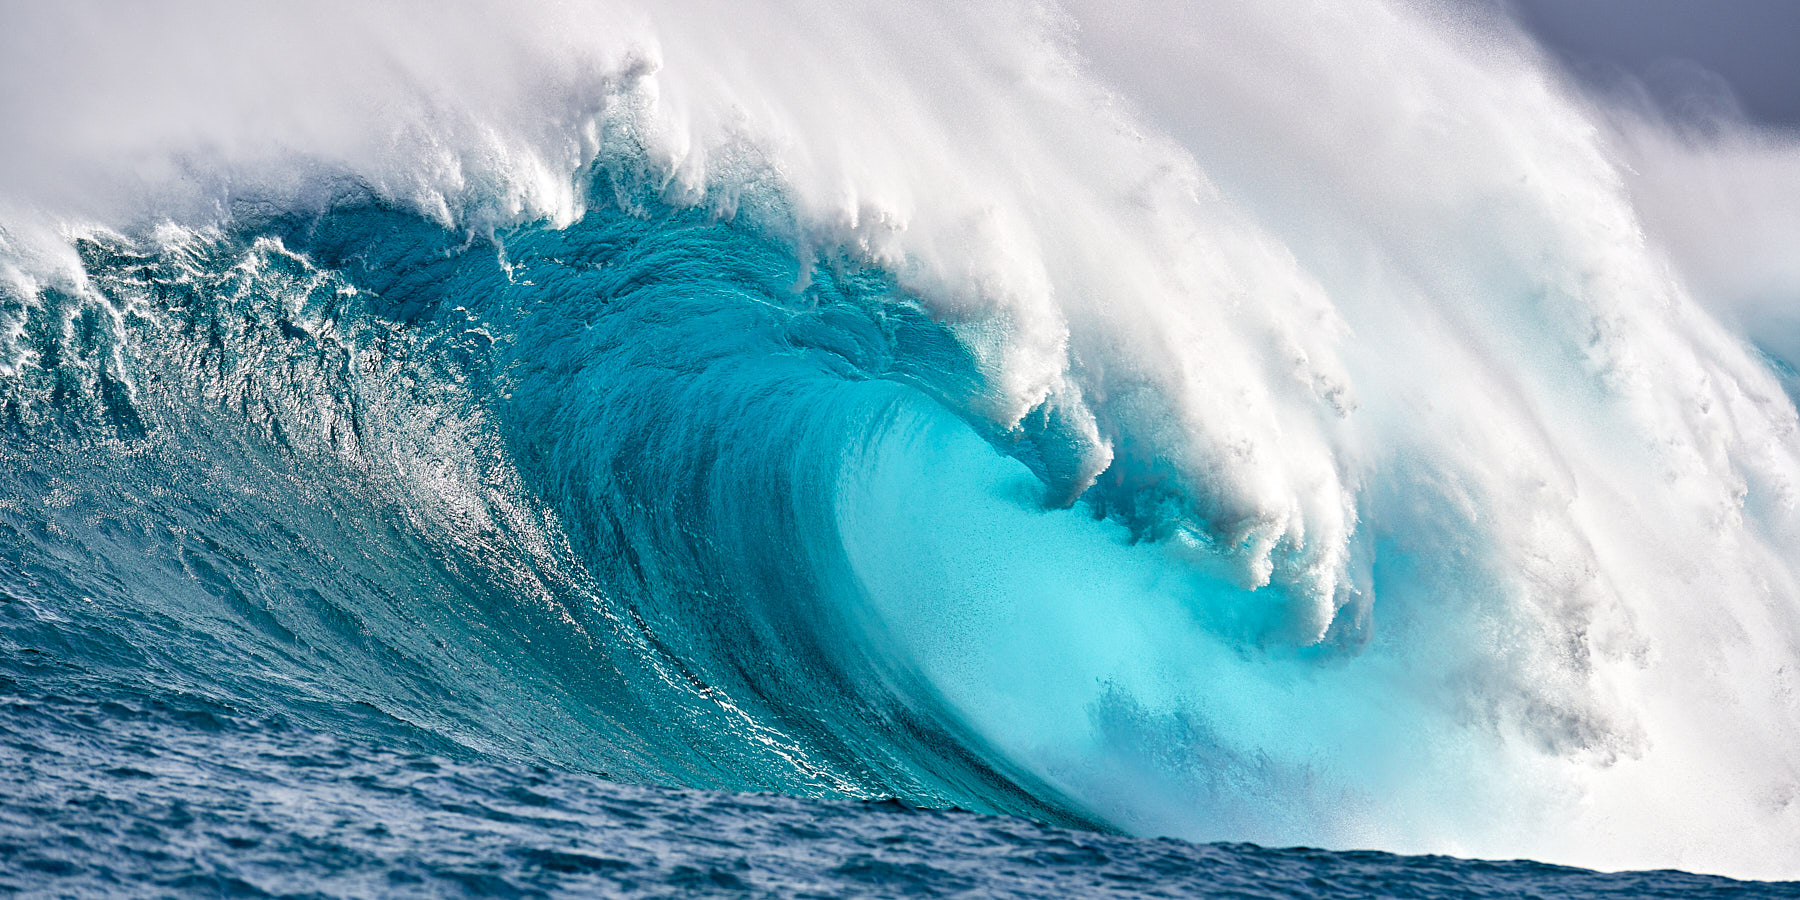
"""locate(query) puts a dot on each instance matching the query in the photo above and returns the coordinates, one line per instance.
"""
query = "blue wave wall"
(563, 494)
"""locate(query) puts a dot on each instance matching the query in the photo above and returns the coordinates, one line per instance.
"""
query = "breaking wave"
(1173, 421)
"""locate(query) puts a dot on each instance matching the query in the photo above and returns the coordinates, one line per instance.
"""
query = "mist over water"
(1302, 423)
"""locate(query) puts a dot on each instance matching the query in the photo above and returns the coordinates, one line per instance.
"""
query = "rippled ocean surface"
(137, 792)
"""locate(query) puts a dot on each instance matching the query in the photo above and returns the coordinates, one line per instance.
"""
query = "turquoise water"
(345, 553)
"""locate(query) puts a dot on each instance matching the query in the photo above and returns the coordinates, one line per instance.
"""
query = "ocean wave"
(1003, 407)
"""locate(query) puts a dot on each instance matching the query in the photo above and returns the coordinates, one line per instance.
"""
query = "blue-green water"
(345, 554)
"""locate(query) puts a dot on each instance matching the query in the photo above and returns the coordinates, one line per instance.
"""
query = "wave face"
(1167, 421)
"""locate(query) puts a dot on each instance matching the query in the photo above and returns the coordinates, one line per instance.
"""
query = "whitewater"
(1302, 423)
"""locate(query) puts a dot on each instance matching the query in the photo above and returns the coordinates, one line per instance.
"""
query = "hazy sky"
(1753, 44)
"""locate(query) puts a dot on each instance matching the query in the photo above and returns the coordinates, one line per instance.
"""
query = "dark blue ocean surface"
(342, 554)
(118, 789)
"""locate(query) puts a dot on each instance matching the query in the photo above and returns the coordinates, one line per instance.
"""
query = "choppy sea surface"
(151, 793)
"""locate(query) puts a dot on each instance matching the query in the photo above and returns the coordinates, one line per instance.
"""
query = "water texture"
(1154, 422)
(148, 793)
